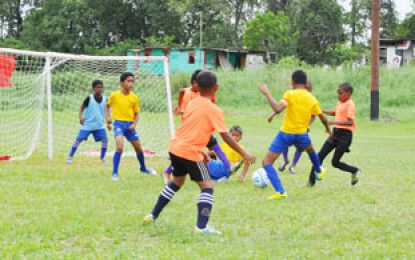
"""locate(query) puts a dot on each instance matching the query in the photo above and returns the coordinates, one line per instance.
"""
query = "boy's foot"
(282, 166)
(148, 171)
(166, 177)
(320, 175)
(235, 167)
(207, 230)
(148, 219)
(278, 196)
(355, 177)
(115, 177)
(104, 162)
(222, 180)
(69, 161)
(292, 169)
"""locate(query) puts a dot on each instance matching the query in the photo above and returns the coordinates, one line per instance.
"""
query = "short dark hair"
(97, 82)
(206, 79)
(125, 75)
(194, 75)
(236, 128)
(299, 77)
(346, 87)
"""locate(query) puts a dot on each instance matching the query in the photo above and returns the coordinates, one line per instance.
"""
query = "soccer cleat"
(148, 171)
(69, 161)
(355, 177)
(278, 196)
(104, 162)
(115, 177)
(148, 219)
(235, 167)
(292, 169)
(283, 165)
(320, 175)
(207, 231)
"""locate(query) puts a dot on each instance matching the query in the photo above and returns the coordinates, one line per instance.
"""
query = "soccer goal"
(41, 94)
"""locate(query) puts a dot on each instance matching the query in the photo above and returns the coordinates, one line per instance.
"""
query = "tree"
(358, 19)
(319, 26)
(388, 21)
(406, 29)
(269, 32)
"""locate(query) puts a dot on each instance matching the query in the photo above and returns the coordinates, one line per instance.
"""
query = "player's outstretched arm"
(329, 112)
(271, 117)
(348, 122)
(235, 146)
(81, 115)
(272, 102)
(324, 121)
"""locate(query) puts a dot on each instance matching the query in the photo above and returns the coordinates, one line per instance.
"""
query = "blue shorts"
(99, 135)
(217, 170)
(121, 128)
(283, 140)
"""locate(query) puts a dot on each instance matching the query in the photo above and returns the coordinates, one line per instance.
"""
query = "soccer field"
(52, 210)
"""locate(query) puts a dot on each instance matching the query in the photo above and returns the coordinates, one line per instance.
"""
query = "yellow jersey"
(124, 107)
(301, 105)
(232, 155)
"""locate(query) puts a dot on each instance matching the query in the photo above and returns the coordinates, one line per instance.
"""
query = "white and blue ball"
(260, 178)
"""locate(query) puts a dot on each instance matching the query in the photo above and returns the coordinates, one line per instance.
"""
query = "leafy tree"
(269, 32)
(358, 19)
(388, 21)
(406, 30)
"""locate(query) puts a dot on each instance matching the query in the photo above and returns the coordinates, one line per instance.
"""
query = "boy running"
(344, 125)
(301, 105)
(200, 119)
(125, 106)
(91, 118)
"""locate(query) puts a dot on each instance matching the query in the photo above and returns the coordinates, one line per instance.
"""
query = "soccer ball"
(260, 178)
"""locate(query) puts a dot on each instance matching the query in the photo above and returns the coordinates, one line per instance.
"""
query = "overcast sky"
(403, 7)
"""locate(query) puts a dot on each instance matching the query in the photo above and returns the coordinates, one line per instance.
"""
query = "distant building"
(190, 59)
(395, 53)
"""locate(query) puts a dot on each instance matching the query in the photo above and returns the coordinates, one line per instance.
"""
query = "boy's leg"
(213, 145)
(285, 162)
(119, 145)
(297, 156)
(104, 147)
(343, 147)
(272, 174)
(74, 148)
(140, 157)
(205, 203)
(328, 146)
(167, 195)
(101, 136)
(82, 136)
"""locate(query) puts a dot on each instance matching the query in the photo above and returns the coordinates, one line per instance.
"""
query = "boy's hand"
(176, 110)
(132, 126)
(81, 120)
(249, 158)
(264, 89)
(271, 118)
(206, 157)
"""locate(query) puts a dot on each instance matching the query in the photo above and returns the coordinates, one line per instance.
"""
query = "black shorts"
(198, 171)
(341, 139)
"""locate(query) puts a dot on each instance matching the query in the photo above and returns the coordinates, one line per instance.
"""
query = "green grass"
(52, 210)
(49, 209)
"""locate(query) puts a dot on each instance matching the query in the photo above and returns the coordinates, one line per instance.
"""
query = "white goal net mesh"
(33, 82)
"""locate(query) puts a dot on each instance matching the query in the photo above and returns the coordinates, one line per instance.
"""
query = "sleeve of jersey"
(110, 100)
(137, 106)
(218, 121)
(285, 99)
(316, 110)
(86, 102)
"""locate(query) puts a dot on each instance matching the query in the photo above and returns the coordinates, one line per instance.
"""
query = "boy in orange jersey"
(200, 119)
(344, 125)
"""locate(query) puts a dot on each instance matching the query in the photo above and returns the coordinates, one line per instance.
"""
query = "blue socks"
(221, 155)
(116, 162)
(315, 160)
(74, 147)
(140, 158)
(103, 149)
(169, 169)
(165, 196)
(274, 178)
(204, 207)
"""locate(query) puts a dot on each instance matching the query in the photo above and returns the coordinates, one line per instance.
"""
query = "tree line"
(314, 31)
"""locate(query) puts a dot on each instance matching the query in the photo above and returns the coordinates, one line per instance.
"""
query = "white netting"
(24, 106)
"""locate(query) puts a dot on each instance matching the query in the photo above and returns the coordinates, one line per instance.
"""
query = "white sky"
(403, 7)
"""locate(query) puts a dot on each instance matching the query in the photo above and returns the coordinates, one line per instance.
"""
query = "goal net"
(41, 95)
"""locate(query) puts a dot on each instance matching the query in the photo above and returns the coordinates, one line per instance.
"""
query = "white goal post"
(41, 94)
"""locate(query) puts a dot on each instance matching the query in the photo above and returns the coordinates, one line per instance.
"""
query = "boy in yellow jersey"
(301, 105)
(125, 106)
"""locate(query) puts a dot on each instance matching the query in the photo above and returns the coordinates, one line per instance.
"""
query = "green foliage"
(14, 43)
(343, 53)
(118, 49)
(270, 32)
(406, 29)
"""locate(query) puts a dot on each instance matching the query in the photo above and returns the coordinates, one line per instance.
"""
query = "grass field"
(52, 210)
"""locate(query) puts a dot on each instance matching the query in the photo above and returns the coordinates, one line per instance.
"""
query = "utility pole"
(201, 40)
(374, 65)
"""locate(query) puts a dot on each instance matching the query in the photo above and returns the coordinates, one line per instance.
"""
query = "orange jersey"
(200, 120)
(345, 111)
(188, 96)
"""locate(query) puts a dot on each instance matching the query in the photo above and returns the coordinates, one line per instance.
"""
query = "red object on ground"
(7, 67)
(5, 157)
(148, 152)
